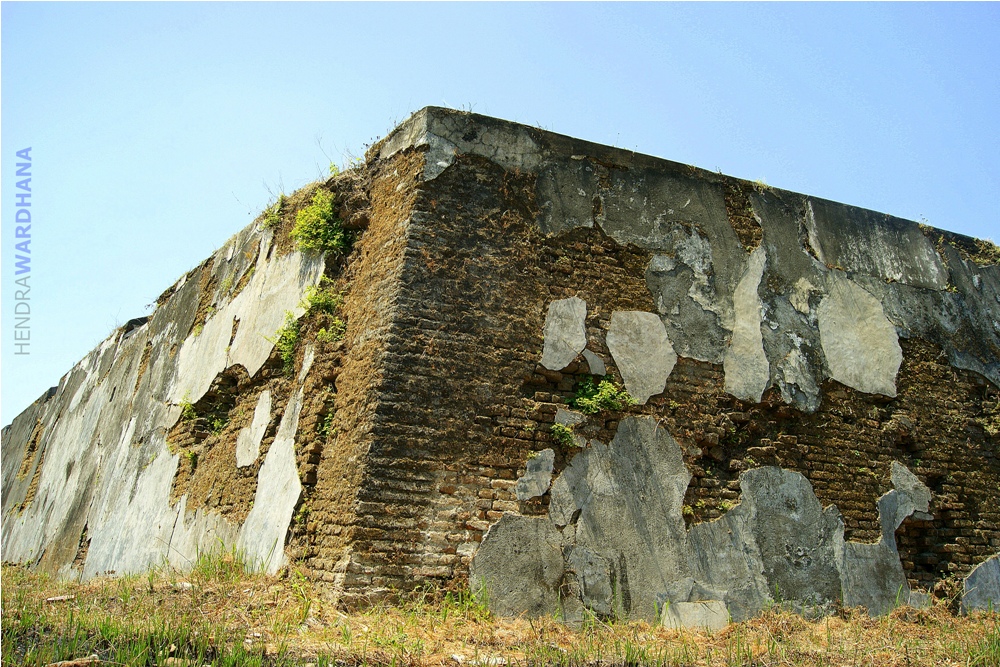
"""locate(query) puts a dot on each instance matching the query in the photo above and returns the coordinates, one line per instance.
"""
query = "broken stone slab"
(593, 573)
(872, 573)
(873, 578)
(249, 438)
(860, 343)
(747, 369)
(535, 481)
(262, 536)
(625, 500)
(595, 363)
(569, 418)
(711, 615)
(905, 481)
(981, 589)
(519, 566)
(639, 345)
(565, 335)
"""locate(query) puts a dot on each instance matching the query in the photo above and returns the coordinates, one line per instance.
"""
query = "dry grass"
(219, 615)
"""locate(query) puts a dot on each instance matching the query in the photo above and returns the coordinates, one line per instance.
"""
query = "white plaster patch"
(273, 290)
(248, 440)
(799, 298)
(746, 366)
(639, 345)
(860, 343)
(307, 361)
(262, 536)
(565, 335)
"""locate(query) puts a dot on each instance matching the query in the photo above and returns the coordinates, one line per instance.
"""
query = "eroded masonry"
(580, 379)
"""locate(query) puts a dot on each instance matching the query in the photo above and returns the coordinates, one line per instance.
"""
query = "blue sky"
(159, 129)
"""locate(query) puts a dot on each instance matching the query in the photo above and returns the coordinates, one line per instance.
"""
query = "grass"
(218, 614)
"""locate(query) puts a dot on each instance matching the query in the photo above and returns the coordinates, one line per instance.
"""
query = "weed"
(217, 424)
(326, 425)
(322, 298)
(272, 217)
(988, 252)
(726, 505)
(302, 515)
(191, 457)
(590, 399)
(187, 408)
(198, 328)
(317, 227)
(687, 510)
(563, 435)
(285, 339)
(226, 284)
(338, 328)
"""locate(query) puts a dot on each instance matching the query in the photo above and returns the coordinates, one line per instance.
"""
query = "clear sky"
(157, 130)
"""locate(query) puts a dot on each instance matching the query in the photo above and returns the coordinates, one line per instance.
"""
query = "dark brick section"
(462, 403)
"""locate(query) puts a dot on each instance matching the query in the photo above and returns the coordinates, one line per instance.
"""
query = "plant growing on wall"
(272, 217)
(317, 227)
(322, 298)
(563, 435)
(285, 339)
(590, 399)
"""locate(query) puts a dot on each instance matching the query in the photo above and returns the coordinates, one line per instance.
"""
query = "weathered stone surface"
(981, 589)
(593, 573)
(778, 545)
(262, 536)
(248, 441)
(595, 363)
(569, 417)
(747, 369)
(860, 344)
(537, 477)
(519, 566)
(627, 498)
(873, 243)
(872, 573)
(639, 345)
(565, 335)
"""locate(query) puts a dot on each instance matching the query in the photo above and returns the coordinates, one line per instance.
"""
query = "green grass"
(220, 613)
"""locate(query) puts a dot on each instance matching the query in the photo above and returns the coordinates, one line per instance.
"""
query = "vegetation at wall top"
(317, 227)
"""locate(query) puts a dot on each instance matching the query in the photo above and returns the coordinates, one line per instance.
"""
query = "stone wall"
(776, 340)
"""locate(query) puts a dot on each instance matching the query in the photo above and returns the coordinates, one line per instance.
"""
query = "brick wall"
(462, 401)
